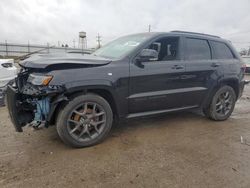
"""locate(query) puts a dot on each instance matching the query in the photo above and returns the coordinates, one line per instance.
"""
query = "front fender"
(82, 85)
(117, 93)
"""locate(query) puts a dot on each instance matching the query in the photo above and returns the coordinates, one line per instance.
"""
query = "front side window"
(221, 51)
(197, 49)
(167, 48)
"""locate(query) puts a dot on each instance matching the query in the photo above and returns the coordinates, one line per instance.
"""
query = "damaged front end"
(32, 101)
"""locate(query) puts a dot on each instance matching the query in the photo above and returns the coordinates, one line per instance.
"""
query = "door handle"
(215, 65)
(177, 67)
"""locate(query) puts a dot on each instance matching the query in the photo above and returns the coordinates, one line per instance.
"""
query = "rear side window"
(221, 51)
(197, 49)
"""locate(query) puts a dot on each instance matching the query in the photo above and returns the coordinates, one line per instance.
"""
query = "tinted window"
(197, 49)
(221, 51)
(167, 48)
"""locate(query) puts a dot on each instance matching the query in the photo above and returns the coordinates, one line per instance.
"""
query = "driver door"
(158, 85)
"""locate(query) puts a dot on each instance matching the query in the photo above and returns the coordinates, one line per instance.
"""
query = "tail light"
(7, 65)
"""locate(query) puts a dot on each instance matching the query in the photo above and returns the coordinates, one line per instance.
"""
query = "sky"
(53, 21)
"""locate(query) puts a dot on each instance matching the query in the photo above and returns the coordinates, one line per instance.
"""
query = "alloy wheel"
(224, 103)
(86, 121)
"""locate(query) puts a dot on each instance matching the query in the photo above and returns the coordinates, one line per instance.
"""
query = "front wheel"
(86, 120)
(222, 104)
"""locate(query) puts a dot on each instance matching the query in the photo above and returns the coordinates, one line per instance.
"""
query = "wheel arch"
(105, 91)
(232, 82)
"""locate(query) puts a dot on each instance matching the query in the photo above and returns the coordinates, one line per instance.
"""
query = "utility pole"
(98, 39)
(28, 46)
(149, 28)
(74, 43)
(48, 47)
(6, 47)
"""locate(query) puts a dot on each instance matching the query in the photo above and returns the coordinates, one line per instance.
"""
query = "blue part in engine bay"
(42, 109)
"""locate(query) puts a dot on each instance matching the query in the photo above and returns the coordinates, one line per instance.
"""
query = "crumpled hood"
(45, 61)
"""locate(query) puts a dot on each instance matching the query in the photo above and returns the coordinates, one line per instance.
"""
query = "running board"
(134, 115)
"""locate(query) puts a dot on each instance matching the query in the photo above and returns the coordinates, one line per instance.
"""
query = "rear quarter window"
(221, 51)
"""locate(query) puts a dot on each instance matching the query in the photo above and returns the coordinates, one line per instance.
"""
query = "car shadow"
(156, 120)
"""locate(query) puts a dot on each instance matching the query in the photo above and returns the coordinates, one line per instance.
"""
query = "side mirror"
(148, 55)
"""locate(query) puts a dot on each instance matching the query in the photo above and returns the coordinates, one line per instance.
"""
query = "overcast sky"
(42, 21)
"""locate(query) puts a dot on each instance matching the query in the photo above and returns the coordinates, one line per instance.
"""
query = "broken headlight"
(39, 80)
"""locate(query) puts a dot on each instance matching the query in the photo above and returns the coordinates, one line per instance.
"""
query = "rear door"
(223, 55)
(201, 70)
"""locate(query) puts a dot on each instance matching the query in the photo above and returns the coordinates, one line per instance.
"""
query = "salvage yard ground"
(174, 150)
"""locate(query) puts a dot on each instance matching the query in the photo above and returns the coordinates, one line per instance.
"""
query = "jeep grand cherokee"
(133, 76)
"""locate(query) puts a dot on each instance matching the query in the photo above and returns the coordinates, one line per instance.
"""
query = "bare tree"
(243, 51)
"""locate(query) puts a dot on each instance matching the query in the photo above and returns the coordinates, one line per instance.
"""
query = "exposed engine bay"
(33, 99)
(34, 102)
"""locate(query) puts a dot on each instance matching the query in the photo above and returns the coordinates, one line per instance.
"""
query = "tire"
(75, 115)
(219, 110)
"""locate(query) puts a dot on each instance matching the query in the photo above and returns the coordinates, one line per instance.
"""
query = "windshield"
(246, 60)
(121, 46)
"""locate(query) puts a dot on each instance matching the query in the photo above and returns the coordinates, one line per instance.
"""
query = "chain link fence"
(15, 50)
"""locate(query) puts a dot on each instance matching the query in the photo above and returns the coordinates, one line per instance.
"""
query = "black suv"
(133, 76)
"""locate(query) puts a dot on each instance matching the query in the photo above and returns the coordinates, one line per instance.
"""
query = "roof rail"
(187, 32)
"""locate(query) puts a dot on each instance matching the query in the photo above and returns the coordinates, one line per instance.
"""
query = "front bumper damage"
(18, 116)
(30, 103)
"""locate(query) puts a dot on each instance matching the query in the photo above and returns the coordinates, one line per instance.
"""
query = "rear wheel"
(84, 121)
(222, 104)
